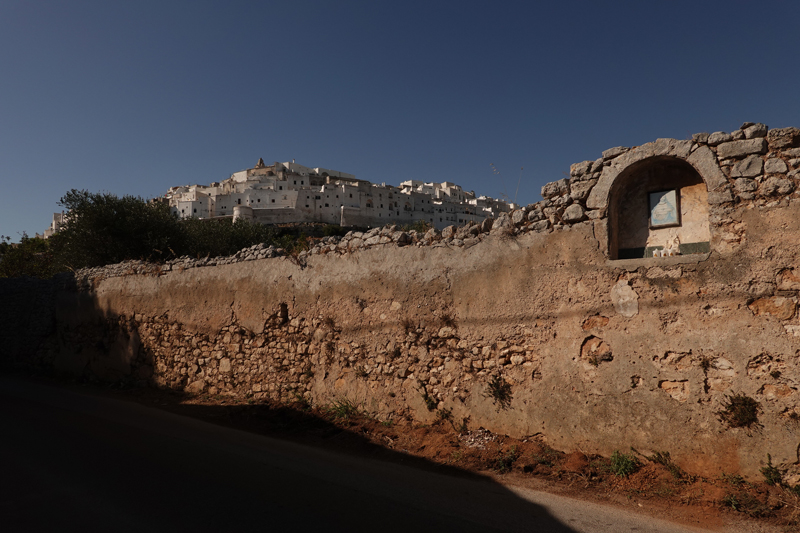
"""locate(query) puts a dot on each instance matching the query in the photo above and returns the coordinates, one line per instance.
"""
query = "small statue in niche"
(671, 248)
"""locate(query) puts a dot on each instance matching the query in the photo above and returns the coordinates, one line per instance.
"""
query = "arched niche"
(636, 229)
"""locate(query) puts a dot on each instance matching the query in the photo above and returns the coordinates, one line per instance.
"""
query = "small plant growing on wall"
(705, 363)
(430, 403)
(740, 411)
(771, 473)
(499, 391)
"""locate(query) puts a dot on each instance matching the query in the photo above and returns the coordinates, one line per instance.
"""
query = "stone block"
(614, 152)
(775, 166)
(774, 186)
(754, 131)
(750, 167)
(518, 217)
(573, 213)
(625, 299)
(580, 191)
(704, 160)
(777, 306)
(556, 188)
(718, 137)
(195, 387)
(579, 169)
(780, 138)
(719, 197)
(742, 148)
(542, 225)
(745, 185)
(788, 280)
(535, 215)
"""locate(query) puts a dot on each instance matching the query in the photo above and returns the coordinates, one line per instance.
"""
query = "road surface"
(73, 461)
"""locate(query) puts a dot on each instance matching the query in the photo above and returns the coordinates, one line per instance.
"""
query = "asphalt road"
(71, 461)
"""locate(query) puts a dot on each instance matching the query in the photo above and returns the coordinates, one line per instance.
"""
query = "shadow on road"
(78, 459)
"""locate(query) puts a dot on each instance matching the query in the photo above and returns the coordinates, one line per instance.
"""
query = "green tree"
(30, 257)
(102, 228)
(201, 238)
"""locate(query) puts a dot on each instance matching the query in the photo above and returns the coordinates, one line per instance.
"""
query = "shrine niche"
(658, 206)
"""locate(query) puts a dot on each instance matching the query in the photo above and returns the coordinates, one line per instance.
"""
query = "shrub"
(102, 228)
(30, 257)
(212, 238)
(771, 474)
(663, 458)
(444, 414)
(505, 461)
(623, 464)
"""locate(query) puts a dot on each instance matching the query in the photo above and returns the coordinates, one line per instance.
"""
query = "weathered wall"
(600, 354)
(542, 310)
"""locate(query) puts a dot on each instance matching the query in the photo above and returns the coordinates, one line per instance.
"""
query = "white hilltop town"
(284, 193)
(287, 193)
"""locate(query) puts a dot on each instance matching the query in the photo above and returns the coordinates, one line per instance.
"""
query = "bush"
(623, 464)
(202, 238)
(102, 228)
(771, 474)
(30, 257)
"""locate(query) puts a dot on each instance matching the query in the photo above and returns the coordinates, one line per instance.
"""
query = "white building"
(291, 193)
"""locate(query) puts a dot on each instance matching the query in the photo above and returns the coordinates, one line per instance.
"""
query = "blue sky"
(135, 97)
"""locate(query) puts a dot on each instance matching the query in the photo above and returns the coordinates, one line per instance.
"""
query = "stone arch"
(661, 165)
(630, 233)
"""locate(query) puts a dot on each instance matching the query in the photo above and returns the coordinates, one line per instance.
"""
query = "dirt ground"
(651, 485)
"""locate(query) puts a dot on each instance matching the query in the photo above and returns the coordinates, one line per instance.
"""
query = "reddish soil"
(656, 487)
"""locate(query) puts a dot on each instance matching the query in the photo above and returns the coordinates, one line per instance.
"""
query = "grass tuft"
(624, 464)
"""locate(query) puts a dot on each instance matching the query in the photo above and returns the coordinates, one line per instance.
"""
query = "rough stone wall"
(597, 354)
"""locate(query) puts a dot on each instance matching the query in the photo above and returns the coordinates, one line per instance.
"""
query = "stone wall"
(523, 324)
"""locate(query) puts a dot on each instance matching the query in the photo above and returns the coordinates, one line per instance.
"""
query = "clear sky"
(132, 97)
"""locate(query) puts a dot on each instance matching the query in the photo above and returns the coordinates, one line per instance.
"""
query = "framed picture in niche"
(665, 209)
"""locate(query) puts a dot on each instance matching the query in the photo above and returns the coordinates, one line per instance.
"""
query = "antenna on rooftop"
(502, 181)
